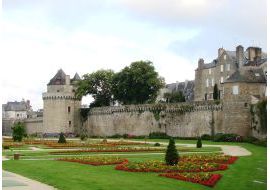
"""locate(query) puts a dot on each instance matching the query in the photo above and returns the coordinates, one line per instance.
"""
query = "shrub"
(199, 143)
(104, 141)
(157, 144)
(220, 137)
(125, 136)
(172, 156)
(62, 138)
(83, 137)
(18, 131)
(5, 147)
(206, 137)
(158, 135)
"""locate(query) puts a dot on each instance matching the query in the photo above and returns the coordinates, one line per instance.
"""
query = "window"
(58, 90)
(69, 123)
(228, 67)
(209, 71)
(17, 115)
(221, 80)
(68, 109)
(207, 84)
(225, 57)
(213, 82)
(235, 90)
(221, 68)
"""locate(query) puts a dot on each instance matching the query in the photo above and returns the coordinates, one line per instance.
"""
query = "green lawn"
(73, 176)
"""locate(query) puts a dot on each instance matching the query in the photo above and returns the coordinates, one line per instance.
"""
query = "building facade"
(223, 67)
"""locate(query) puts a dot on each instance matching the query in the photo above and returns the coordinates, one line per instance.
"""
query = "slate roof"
(59, 78)
(187, 88)
(15, 106)
(249, 76)
(75, 78)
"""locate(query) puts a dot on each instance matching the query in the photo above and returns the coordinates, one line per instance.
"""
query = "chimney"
(200, 63)
(67, 80)
(254, 53)
(240, 56)
(220, 51)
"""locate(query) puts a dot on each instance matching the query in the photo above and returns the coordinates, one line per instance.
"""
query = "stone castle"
(241, 79)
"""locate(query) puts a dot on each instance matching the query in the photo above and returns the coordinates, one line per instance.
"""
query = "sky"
(38, 37)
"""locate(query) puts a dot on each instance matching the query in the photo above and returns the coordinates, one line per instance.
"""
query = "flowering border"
(91, 162)
(211, 182)
(123, 167)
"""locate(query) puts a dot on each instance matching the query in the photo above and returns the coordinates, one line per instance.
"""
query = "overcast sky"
(41, 36)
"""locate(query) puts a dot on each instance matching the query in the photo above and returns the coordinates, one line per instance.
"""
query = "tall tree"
(137, 84)
(174, 97)
(215, 93)
(99, 85)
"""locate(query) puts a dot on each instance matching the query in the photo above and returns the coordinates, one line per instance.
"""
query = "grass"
(67, 176)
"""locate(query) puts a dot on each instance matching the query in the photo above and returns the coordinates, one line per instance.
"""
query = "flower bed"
(159, 166)
(210, 158)
(123, 149)
(95, 160)
(208, 179)
(12, 144)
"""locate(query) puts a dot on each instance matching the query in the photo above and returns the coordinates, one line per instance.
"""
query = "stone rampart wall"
(183, 119)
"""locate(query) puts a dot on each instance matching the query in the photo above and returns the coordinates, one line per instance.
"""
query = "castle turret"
(61, 107)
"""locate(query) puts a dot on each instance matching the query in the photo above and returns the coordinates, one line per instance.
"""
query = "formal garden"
(120, 163)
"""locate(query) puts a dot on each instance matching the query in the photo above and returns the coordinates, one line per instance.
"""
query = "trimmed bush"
(172, 156)
(62, 138)
(199, 143)
(18, 131)
(157, 144)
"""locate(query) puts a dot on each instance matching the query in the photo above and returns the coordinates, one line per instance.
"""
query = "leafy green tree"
(172, 156)
(174, 97)
(18, 131)
(99, 85)
(62, 138)
(215, 92)
(137, 84)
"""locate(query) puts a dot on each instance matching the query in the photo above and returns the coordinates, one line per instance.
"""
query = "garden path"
(12, 181)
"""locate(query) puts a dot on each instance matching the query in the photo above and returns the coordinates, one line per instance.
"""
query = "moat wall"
(182, 120)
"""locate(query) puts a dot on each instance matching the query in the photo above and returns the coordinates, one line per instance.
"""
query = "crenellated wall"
(183, 119)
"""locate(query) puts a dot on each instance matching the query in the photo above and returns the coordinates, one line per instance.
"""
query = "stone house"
(186, 87)
(223, 67)
(16, 110)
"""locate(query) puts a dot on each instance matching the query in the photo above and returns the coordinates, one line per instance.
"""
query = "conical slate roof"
(76, 77)
(59, 78)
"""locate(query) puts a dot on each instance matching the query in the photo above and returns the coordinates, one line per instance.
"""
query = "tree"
(215, 93)
(97, 84)
(137, 84)
(174, 97)
(172, 156)
(18, 131)
(62, 138)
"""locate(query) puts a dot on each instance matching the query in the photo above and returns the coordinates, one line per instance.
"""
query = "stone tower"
(61, 107)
